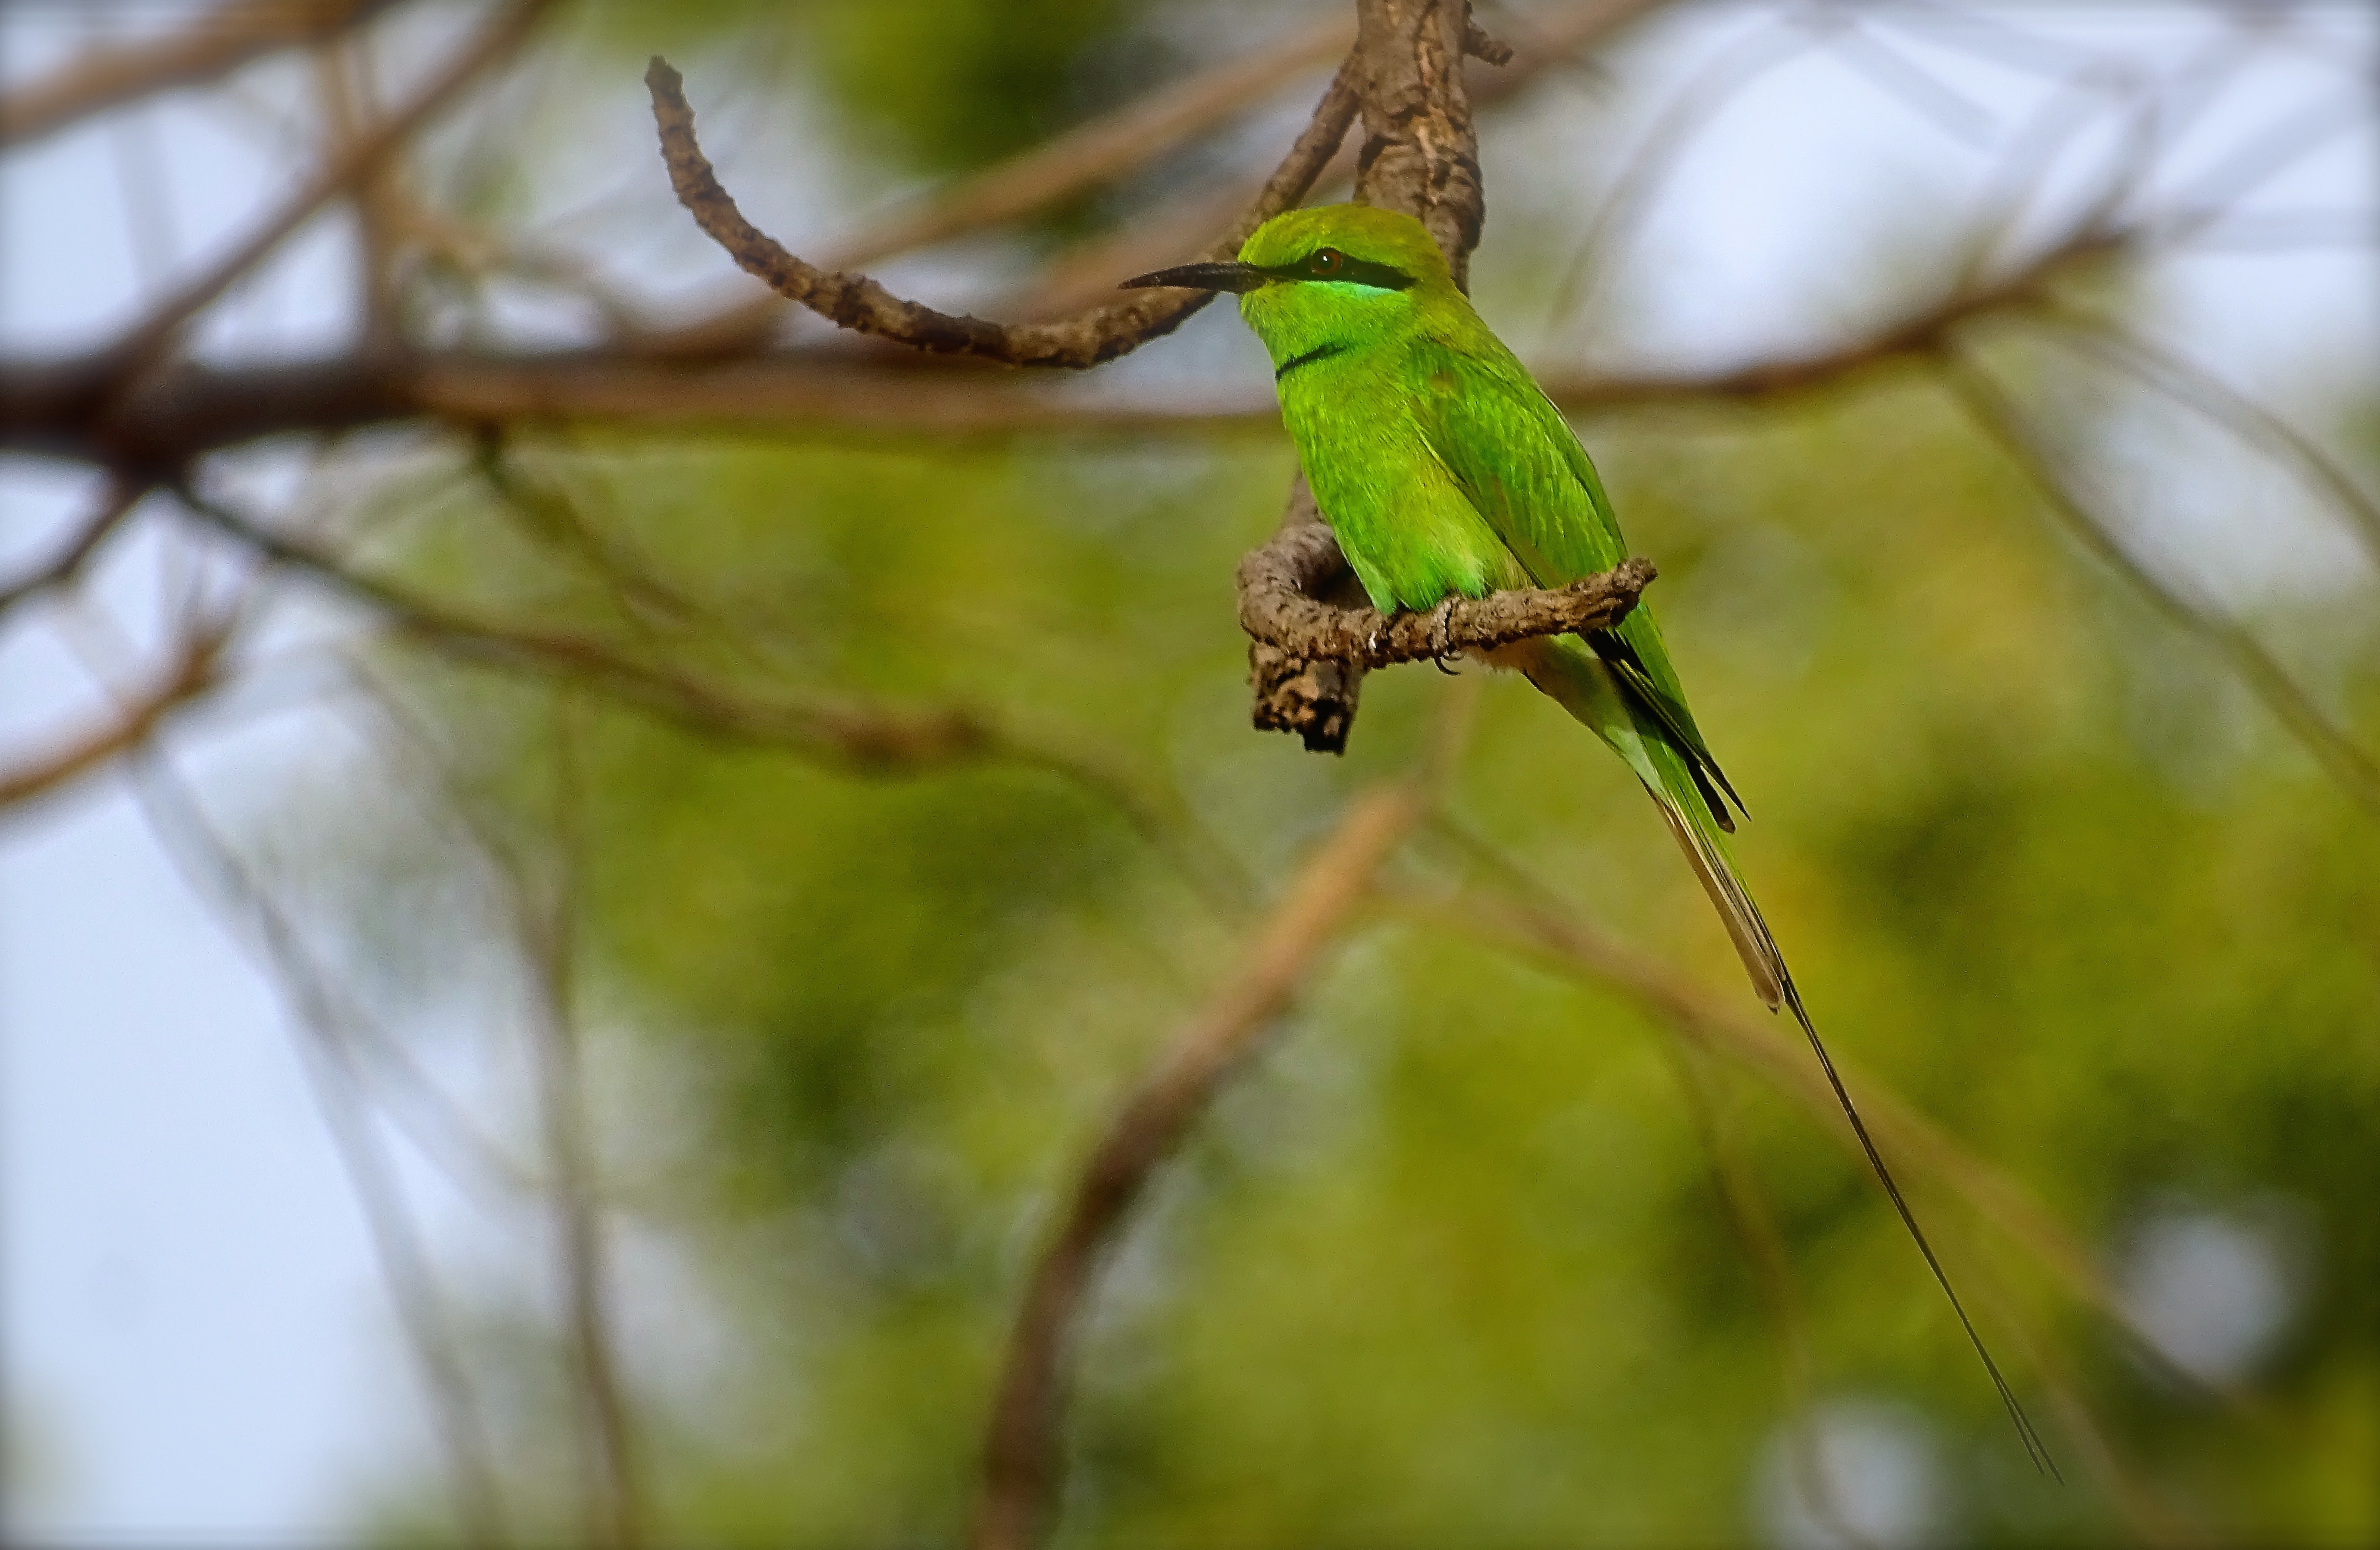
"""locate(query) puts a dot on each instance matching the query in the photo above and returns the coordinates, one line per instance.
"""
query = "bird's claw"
(1443, 628)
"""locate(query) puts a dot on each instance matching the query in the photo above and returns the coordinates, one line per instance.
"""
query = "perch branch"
(1306, 656)
(855, 302)
(1276, 611)
(1420, 156)
(1021, 1463)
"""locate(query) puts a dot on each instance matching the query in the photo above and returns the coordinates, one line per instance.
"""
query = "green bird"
(1446, 472)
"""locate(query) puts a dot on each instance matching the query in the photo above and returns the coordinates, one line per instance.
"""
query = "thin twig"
(220, 40)
(194, 670)
(2217, 192)
(61, 568)
(855, 737)
(2188, 383)
(356, 160)
(2152, 1521)
(1924, 92)
(1997, 415)
(1021, 1456)
(212, 866)
(548, 932)
(1669, 135)
(1523, 917)
(1763, 1246)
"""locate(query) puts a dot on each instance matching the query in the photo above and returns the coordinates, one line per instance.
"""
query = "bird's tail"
(1567, 670)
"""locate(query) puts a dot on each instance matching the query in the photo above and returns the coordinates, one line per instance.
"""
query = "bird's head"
(1324, 280)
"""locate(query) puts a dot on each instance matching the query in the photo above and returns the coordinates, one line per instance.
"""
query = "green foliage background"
(1449, 1264)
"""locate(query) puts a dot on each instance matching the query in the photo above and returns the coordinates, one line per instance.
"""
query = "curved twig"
(858, 303)
(1093, 153)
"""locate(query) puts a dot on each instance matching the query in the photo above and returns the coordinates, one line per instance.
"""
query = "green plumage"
(1444, 470)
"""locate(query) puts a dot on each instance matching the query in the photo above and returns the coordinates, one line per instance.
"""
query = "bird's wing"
(1518, 463)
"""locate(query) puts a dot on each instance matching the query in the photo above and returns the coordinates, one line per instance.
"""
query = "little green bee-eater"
(1446, 472)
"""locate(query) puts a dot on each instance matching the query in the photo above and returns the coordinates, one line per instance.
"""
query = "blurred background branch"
(764, 815)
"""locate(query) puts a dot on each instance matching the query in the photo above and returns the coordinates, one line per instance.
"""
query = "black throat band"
(1319, 352)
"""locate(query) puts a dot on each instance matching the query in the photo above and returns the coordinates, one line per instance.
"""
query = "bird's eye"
(1326, 260)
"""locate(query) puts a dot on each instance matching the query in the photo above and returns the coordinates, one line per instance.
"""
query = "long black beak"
(1233, 276)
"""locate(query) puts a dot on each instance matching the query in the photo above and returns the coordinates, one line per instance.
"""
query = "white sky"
(189, 1315)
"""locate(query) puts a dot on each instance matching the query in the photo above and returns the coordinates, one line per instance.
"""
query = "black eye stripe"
(1349, 270)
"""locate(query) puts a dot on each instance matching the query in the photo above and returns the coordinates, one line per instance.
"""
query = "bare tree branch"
(221, 41)
(181, 412)
(1082, 158)
(860, 304)
(1021, 1464)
